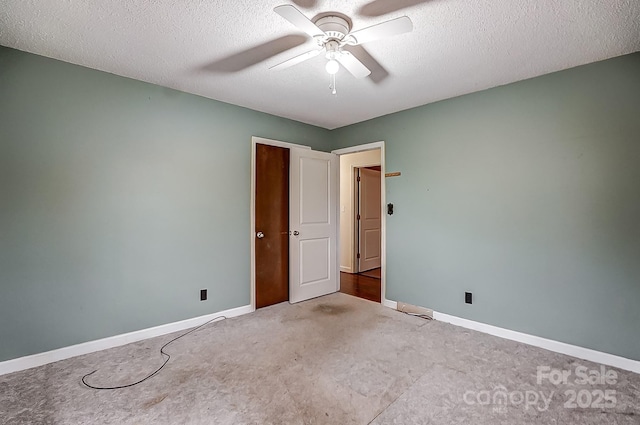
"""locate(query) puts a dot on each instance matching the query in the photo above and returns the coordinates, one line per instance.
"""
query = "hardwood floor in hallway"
(360, 286)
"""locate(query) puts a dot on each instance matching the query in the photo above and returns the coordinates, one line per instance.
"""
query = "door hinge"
(358, 178)
(358, 255)
(358, 216)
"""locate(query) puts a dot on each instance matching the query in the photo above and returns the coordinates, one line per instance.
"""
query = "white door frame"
(383, 212)
(355, 209)
(252, 228)
(357, 223)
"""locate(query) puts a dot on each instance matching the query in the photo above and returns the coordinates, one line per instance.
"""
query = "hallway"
(363, 285)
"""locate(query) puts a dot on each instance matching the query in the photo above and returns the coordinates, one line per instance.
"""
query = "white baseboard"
(536, 341)
(345, 269)
(547, 344)
(390, 304)
(35, 360)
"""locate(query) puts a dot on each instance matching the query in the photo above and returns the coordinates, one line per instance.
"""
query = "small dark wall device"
(390, 209)
(468, 297)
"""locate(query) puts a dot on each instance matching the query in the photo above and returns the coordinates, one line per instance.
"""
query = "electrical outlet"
(468, 297)
(203, 295)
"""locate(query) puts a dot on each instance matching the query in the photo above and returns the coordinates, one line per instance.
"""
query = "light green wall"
(119, 201)
(528, 195)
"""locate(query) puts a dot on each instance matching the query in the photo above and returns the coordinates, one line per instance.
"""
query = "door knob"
(296, 233)
(260, 235)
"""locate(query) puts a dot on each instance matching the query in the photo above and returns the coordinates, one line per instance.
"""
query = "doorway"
(368, 221)
(294, 222)
(362, 221)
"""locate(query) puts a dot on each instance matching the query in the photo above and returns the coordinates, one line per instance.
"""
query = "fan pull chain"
(332, 83)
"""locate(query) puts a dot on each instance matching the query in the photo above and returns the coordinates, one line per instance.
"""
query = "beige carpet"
(332, 360)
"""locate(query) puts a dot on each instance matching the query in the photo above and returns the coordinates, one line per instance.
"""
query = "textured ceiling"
(222, 49)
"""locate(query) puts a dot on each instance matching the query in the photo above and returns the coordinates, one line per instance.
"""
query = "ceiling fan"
(331, 32)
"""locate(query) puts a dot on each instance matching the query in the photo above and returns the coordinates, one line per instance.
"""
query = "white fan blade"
(353, 65)
(296, 17)
(297, 59)
(382, 30)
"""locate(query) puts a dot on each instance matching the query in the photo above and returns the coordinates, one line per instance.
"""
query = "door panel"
(314, 209)
(314, 264)
(371, 245)
(272, 219)
(313, 214)
(370, 220)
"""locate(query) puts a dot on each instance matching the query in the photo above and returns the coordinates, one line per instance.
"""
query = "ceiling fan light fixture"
(331, 31)
(332, 66)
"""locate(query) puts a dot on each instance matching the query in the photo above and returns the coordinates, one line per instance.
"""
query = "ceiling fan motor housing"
(334, 26)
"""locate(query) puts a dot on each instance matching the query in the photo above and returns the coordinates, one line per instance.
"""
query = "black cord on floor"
(157, 370)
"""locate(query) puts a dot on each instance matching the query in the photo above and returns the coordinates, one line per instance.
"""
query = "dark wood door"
(272, 225)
